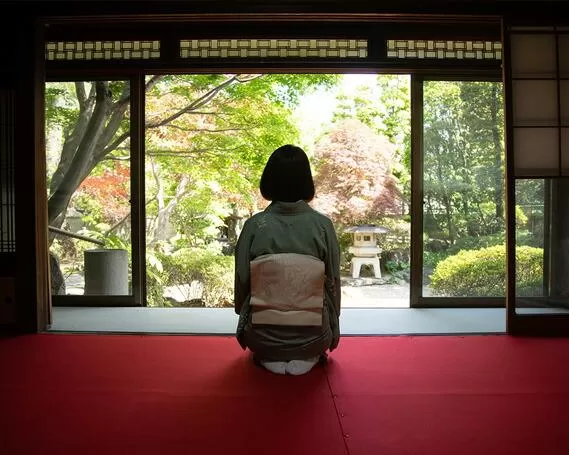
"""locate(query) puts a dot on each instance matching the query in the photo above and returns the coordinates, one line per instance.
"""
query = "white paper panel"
(535, 103)
(536, 151)
(533, 56)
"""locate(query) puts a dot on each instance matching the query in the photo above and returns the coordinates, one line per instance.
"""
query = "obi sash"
(287, 289)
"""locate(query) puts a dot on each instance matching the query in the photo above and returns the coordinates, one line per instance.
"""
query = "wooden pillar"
(559, 241)
(32, 264)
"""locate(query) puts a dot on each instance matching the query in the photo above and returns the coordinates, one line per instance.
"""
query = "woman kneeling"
(287, 272)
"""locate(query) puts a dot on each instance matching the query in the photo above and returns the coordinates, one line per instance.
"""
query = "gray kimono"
(287, 283)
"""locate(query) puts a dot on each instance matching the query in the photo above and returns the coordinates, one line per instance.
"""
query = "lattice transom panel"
(274, 48)
(432, 49)
(7, 176)
(102, 50)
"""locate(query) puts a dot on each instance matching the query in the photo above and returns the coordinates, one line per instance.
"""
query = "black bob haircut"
(287, 176)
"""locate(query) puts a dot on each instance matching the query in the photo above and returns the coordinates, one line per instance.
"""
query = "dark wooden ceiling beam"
(356, 8)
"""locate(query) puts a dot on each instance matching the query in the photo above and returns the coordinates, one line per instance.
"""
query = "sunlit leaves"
(218, 130)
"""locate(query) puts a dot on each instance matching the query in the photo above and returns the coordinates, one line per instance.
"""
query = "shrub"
(214, 271)
(477, 242)
(482, 273)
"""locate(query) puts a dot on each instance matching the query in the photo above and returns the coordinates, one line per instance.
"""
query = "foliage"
(398, 236)
(211, 123)
(345, 240)
(395, 124)
(385, 108)
(475, 243)
(395, 245)
(353, 175)
(214, 271)
(208, 137)
(482, 273)
(107, 194)
(463, 161)
(431, 259)
(155, 280)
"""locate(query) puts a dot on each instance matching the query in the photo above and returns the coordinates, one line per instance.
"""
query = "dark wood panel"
(520, 7)
(541, 325)
(196, 27)
(8, 264)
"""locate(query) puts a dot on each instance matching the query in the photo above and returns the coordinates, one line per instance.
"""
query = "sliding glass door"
(207, 139)
(459, 189)
(89, 181)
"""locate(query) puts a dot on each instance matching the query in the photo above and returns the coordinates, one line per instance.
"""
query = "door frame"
(137, 207)
(522, 323)
(474, 28)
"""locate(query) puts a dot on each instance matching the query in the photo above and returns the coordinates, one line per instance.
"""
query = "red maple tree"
(354, 183)
(111, 190)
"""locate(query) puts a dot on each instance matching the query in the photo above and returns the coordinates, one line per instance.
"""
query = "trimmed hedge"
(482, 273)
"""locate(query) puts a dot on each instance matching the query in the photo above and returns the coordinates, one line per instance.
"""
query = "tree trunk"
(98, 123)
(72, 141)
(160, 226)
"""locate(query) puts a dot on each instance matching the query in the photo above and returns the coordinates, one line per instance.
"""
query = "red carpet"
(89, 394)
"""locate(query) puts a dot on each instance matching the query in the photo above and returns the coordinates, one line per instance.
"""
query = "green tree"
(463, 168)
(92, 118)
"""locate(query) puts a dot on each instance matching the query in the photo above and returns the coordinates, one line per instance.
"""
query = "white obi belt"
(287, 289)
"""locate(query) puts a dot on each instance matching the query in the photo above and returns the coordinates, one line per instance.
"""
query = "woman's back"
(287, 273)
(290, 227)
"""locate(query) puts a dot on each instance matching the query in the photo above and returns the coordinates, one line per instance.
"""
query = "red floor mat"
(95, 394)
(453, 395)
(155, 395)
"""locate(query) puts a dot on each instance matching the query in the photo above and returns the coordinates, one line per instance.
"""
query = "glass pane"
(463, 178)
(208, 137)
(88, 174)
(533, 56)
(542, 233)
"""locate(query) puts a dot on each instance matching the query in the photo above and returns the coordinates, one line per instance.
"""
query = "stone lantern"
(365, 249)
